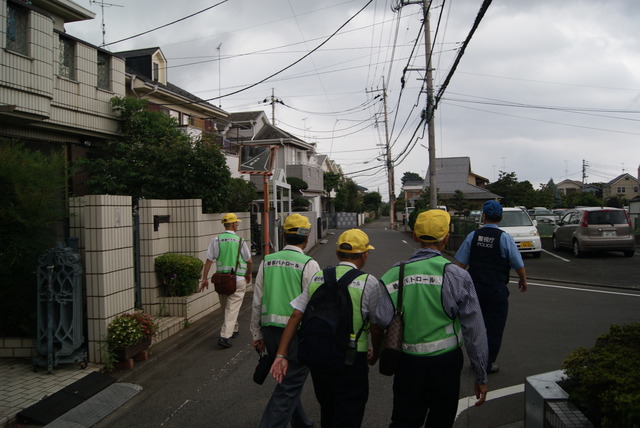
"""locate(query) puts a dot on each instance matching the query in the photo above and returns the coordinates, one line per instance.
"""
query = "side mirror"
(535, 223)
(560, 223)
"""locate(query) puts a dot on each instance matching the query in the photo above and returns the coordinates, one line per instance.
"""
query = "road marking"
(468, 402)
(588, 290)
(557, 256)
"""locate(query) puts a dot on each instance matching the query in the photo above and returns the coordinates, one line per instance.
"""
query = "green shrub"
(604, 380)
(179, 273)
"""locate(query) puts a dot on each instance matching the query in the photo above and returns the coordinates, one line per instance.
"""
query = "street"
(202, 385)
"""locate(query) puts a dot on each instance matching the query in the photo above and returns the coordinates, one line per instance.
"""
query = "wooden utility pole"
(433, 186)
(390, 170)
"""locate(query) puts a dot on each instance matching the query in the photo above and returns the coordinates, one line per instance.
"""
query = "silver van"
(591, 229)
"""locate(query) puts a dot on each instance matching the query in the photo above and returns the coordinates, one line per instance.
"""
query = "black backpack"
(327, 322)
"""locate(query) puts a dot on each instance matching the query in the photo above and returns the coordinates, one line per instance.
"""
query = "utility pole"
(433, 186)
(273, 100)
(389, 161)
(219, 77)
(429, 112)
(585, 164)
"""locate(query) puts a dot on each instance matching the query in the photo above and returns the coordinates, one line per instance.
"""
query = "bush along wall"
(179, 273)
(604, 381)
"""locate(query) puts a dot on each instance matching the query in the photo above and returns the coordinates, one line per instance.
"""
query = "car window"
(515, 218)
(607, 217)
(567, 218)
(575, 217)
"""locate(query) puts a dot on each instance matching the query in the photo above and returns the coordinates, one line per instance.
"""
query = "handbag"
(225, 283)
(262, 369)
(392, 342)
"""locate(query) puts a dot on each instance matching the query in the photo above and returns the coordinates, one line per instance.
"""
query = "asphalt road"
(192, 383)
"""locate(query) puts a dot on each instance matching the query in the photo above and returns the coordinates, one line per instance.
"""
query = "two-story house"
(55, 89)
(625, 186)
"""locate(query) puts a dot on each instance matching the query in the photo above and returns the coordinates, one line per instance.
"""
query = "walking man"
(229, 251)
(343, 391)
(439, 307)
(279, 280)
(490, 254)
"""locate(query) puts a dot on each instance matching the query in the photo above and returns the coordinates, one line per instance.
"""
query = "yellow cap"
(297, 224)
(432, 225)
(354, 241)
(230, 218)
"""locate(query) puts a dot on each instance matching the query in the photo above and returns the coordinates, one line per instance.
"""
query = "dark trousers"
(342, 393)
(426, 390)
(494, 303)
(285, 404)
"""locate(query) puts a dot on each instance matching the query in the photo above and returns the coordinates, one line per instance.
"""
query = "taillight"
(628, 219)
(585, 219)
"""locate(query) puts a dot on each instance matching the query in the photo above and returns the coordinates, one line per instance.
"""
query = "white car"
(517, 223)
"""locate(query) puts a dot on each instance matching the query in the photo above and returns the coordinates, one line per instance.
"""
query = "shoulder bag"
(392, 342)
(225, 283)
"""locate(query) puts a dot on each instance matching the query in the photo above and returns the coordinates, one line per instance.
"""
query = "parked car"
(590, 229)
(517, 223)
(542, 215)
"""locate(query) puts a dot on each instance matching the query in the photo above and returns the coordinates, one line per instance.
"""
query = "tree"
(300, 203)
(372, 201)
(331, 181)
(585, 199)
(513, 192)
(458, 202)
(244, 193)
(32, 193)
(154, 159)
(410, 176)
(348, 199)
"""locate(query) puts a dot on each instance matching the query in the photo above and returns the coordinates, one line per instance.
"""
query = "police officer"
(490, 253)
(279, 280)
(439, 308)
(223, 250)
(343, 392)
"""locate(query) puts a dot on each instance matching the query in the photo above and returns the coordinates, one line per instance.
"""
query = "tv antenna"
(102, 5)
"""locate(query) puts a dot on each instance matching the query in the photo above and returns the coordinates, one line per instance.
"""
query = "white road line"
(468, 402)
(588, 290)
(557, 256)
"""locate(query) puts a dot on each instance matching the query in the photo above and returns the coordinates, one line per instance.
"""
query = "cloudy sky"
(543, 86)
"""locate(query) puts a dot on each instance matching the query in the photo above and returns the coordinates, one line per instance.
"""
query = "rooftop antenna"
(219, 78)
(102, 6)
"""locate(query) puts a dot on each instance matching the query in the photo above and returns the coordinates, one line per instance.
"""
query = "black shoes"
(223, 342)
(235, 334)
(493, 369)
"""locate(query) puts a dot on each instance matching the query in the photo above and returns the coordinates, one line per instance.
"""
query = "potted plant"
(129, 334)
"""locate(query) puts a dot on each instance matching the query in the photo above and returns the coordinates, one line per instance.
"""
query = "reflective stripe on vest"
(356, 289)
(426, 331)
(282, 282)
(228, 254)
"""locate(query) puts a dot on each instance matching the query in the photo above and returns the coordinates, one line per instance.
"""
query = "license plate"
(609, 233)
(526, 244)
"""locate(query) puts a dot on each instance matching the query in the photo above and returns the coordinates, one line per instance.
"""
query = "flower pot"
(126, 352)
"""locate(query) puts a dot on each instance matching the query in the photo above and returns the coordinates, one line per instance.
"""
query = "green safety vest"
(356, 289)
(282, 282)
(229, 254)
(428, 330)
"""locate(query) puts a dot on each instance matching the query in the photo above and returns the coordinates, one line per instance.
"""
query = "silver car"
(595, 229)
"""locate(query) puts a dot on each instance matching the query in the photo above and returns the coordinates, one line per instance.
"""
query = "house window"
(186, 120)
(104, 71)
(622, 190)
(156, 72)
(17, 30)
(67, 60)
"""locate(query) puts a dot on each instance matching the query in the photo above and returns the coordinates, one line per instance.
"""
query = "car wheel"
(554, 242)
(629, 253)
(576, 249)
(537, 255)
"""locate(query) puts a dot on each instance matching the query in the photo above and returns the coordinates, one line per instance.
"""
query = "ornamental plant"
(129, 329)
(179, 273)
(604, 381)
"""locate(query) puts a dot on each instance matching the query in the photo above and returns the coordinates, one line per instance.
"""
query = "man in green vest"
(229, 252)
(440, 308)
(279, 280)
(343, 392)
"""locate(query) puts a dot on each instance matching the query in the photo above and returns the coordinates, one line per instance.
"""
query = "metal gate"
(59, 335)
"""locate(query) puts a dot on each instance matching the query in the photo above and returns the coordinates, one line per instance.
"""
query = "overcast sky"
(542, 86)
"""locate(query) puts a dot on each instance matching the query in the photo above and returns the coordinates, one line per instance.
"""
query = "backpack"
(327, 322)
